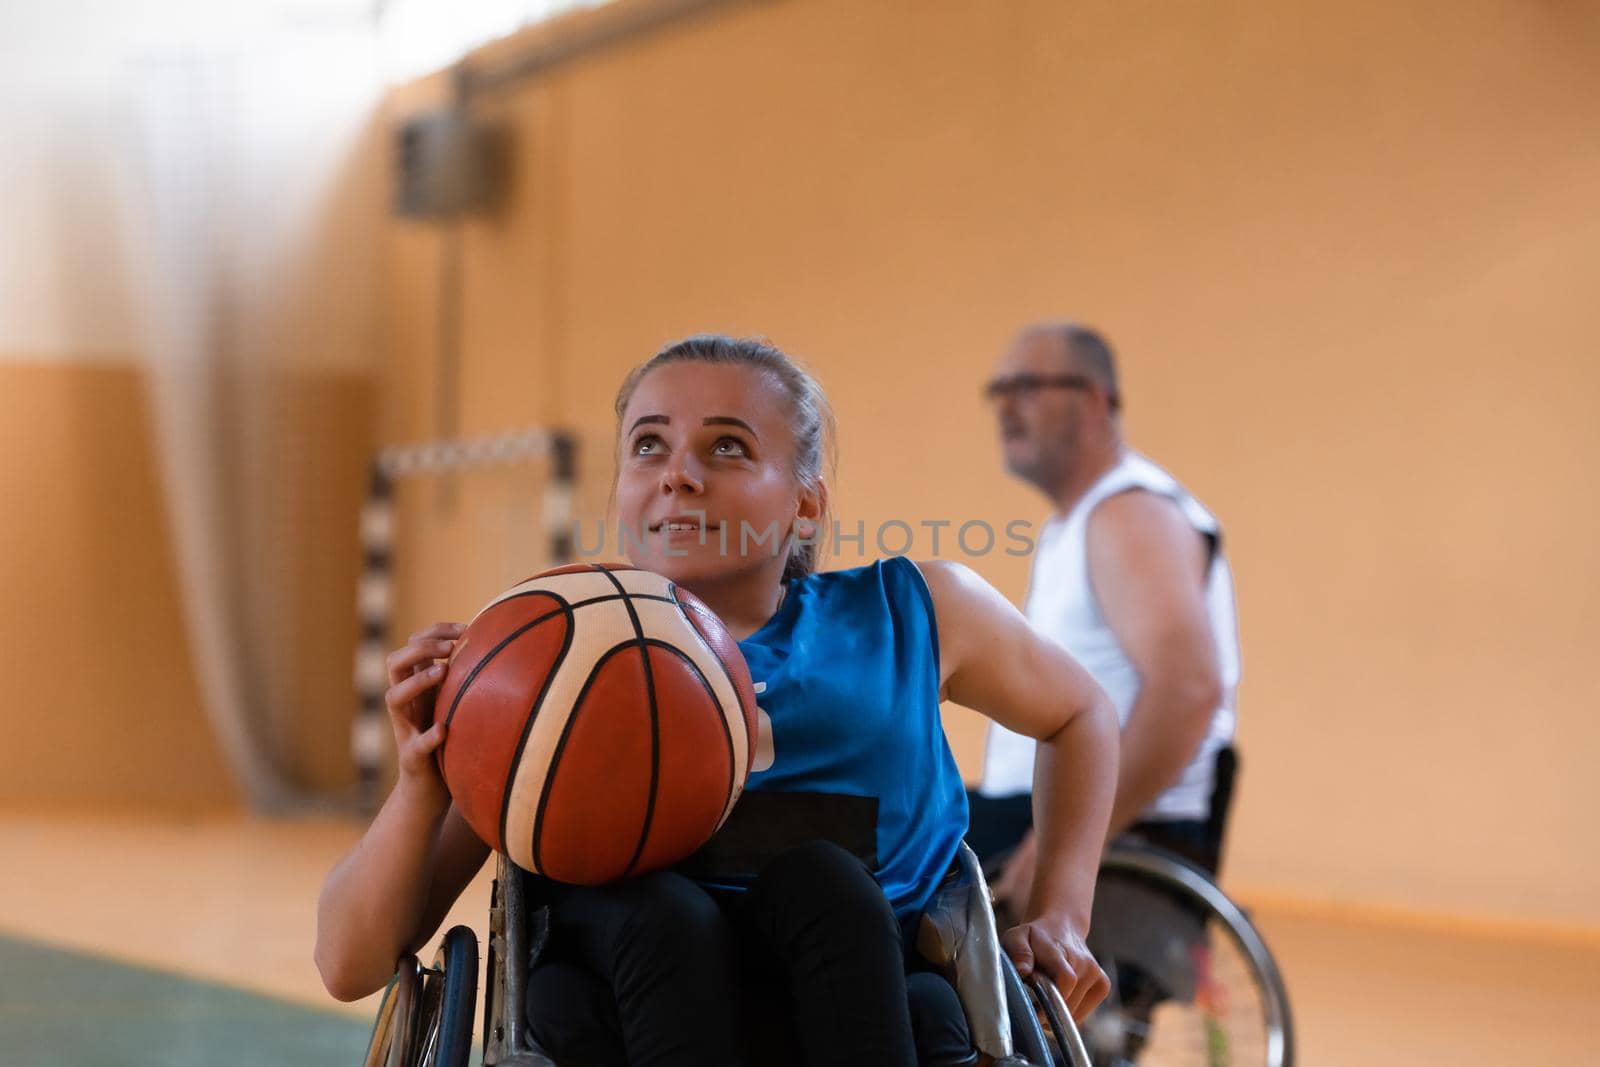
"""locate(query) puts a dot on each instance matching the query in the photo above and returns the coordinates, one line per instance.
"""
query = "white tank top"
(1061, 604)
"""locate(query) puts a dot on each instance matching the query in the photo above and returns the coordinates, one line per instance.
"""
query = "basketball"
(599, 723)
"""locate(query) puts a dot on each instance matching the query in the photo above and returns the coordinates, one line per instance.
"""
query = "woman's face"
(705, 474)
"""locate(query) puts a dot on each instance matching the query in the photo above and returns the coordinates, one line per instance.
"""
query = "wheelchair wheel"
(426, 1015)
(1042, 1032)
(393, 1032)
(449, 1000)
(1028, 1038)
(1192, 981)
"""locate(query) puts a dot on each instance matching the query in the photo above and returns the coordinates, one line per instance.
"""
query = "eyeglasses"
(1025, 384)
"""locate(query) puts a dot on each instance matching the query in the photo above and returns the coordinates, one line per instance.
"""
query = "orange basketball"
(600, 723)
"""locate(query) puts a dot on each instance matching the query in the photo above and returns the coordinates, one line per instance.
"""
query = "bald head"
(1084, 351)
(1055, 401)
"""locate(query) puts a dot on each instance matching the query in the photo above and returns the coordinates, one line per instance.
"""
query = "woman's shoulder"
(934, 580)
(902, 589)
(890, 571)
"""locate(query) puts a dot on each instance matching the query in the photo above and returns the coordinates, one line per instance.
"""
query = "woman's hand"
(1052, 945)
(415, 672)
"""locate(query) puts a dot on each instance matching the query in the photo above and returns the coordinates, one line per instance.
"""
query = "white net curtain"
(260, 195)
(259, 208)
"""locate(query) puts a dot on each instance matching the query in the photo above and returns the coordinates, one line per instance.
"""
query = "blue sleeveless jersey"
(847, 675)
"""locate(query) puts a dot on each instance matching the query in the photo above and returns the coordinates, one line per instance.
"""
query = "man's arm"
(1148, 567)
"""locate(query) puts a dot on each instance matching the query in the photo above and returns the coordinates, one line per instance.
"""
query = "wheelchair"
(425, 1018)
(1192, 979)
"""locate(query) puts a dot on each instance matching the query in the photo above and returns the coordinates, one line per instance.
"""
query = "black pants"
(809, 967)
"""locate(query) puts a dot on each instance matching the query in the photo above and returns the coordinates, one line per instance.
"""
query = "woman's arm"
(391, 892)
(993, 661)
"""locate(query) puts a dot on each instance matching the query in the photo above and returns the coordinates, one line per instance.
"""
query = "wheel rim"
(1193, 984)
(397, 1017)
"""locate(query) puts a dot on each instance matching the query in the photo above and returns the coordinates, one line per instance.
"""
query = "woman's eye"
(725, 443)
(648, 445)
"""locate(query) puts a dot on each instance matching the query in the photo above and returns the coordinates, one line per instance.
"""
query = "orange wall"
(1347, 251)
(102, 708)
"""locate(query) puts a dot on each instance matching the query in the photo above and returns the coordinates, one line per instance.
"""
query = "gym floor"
(141, 941)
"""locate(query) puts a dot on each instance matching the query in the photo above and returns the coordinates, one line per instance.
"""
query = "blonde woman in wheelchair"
(790, 937)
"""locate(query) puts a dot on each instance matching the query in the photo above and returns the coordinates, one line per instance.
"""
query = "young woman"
(796, 920)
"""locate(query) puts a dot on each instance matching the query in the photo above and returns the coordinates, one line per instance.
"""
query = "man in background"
(1129, 574)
